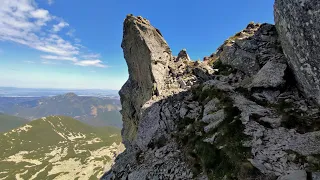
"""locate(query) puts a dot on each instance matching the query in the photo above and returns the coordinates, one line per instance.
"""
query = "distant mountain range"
(8, 122)
(45, 92)
(96, 111)
(58, 147)
(51, 137)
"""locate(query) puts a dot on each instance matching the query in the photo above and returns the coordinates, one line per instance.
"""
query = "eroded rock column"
(147, 55)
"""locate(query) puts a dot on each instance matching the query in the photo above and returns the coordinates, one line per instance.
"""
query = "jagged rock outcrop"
(147, 55)
(183, 56)
(153, 72)
(251, 48)
(298, 24)
(238, 115)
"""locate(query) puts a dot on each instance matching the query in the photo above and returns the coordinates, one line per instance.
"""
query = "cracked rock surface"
(240, 114)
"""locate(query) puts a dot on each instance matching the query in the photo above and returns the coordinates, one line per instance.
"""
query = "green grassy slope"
(8, 122)
(57, 147)
(110, 117)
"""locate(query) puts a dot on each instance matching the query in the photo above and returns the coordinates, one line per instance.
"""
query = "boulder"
(240, 59)
(270, 75)
(298, 25)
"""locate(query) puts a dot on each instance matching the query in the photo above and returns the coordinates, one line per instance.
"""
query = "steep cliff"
(239, 114)
(298, 24)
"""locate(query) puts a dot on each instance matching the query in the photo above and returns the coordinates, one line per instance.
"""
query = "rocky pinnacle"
(147, 55)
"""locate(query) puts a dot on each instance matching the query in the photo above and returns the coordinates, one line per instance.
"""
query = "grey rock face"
(203, 72)
(161, 163)
(214, 116)
(147, 55)
(176, 111)
(267, 95)
(250, 49)
(298, 24)
(270, 75)
(141, 174)
(224, 86)
(249, 108)
(211, 106)
(274, 122)
(316, 176)
(240, 59)
(295, 175)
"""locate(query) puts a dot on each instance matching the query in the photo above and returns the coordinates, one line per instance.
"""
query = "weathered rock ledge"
(242, 113)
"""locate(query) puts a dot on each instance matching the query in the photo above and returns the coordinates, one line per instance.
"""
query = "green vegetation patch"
(223, 68)
(226, 157)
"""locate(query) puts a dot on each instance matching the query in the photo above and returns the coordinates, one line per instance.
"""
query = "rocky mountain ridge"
(248, 111)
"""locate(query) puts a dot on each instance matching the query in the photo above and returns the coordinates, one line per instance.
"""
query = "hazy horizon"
(44, 88)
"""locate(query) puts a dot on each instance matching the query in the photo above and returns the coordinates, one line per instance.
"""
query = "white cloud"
(91, 56)
(71, 33)
(74, 59)
(50, 2)
(29, 62)
(58, 27)
(95, 63)
(48, 62)
(41, 14)
(23, 22)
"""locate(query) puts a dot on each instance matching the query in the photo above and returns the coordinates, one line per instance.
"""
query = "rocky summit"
(248, 111)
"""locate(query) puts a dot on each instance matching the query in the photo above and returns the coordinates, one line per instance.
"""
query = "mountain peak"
(70, 95)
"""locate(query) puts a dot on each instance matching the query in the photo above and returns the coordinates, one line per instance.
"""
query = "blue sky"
(76, 43)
